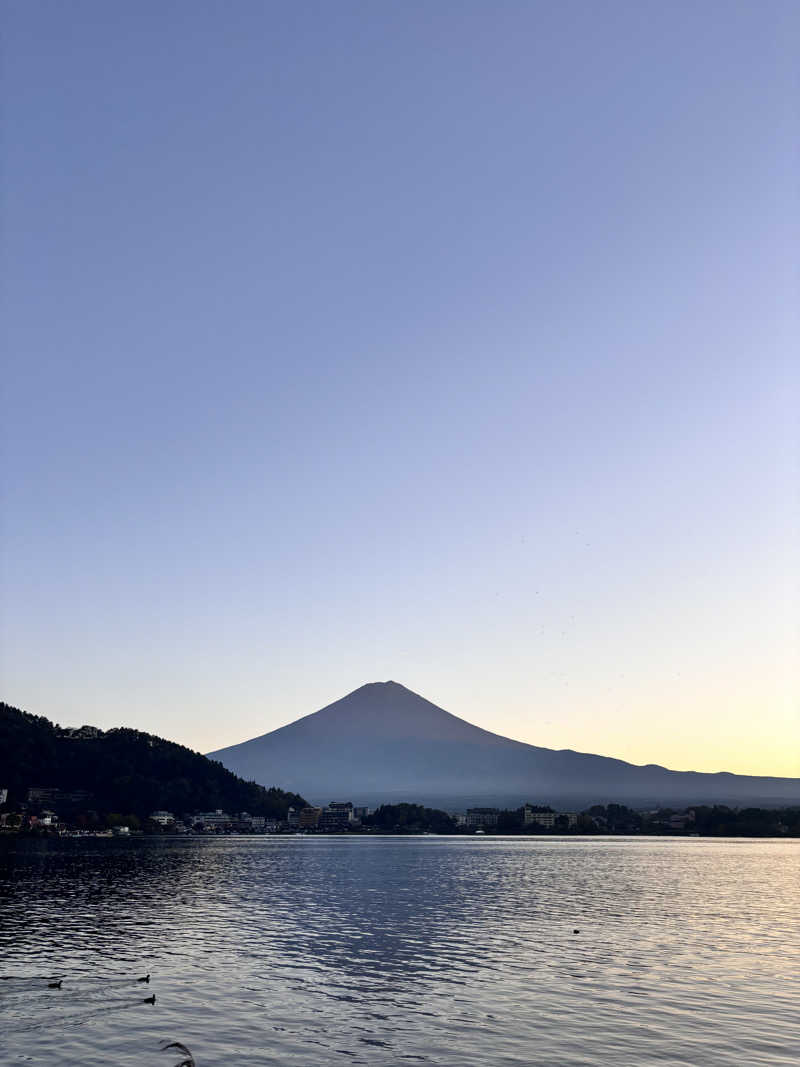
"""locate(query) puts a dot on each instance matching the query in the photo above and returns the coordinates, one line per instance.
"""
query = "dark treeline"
(716, 820)
(721, 821)
(409, 819)
(124, 771)
(707, 821)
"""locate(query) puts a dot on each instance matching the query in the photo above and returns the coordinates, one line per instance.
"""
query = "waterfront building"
(549, 820)
(337, 817)
(212, 820)
(309, 818)
(481, 817)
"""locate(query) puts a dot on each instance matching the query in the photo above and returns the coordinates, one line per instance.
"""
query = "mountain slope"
(383, 742)
(123, 770)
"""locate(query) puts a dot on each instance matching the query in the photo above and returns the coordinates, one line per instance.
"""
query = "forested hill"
(124, 770)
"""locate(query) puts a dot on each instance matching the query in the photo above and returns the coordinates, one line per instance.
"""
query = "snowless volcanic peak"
(385, 742)
(390, 710)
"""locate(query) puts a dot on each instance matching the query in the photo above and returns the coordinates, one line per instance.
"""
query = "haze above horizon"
(453, 343)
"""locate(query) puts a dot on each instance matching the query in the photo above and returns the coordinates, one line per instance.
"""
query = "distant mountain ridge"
(382, 742)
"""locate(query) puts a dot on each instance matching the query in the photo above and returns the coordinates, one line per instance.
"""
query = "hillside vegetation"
(124, 770)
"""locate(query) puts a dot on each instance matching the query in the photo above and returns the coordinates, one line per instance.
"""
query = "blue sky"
(453, 343)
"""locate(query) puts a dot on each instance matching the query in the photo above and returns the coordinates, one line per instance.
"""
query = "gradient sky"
(448, 342)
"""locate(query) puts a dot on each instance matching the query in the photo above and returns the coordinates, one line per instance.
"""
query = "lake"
(381, 950)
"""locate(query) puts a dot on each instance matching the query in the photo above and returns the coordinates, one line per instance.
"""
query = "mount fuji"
(384, 743)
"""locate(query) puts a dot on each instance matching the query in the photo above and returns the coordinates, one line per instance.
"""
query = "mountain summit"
(382, 742)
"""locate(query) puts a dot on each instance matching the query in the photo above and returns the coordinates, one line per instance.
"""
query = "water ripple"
(374, 951)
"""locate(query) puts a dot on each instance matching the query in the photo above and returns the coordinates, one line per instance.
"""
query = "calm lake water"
(315, 951)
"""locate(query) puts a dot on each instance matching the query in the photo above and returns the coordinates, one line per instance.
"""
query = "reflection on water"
(375, 951)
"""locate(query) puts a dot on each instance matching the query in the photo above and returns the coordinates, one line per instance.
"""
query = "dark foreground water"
(314, 951)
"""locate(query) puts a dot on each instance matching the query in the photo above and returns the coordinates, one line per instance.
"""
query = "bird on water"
(188, 1062)
(149, 1000)
(54, 985)
(145, 978)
